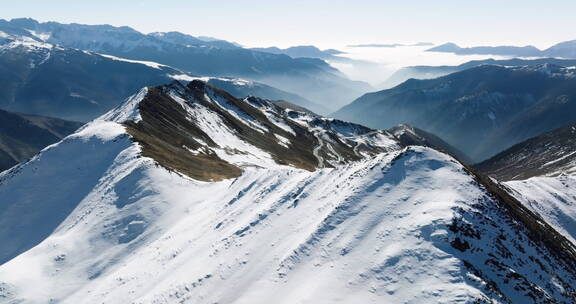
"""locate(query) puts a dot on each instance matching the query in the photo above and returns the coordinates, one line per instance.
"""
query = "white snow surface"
(41, 36)
(232, 148)
(114, 227)
(25, 42)
(146, 63)
(182, 77)
(127, 110)
(143, 235)
(235, 81)
(553, 198)
(272, 114)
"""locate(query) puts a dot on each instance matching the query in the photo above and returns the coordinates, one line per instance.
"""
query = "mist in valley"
(375, 65)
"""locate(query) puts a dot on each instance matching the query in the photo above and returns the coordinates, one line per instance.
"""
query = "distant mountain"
(22, 136)
(391, 45)
(428, 72)
(40, 78)
(520, 51)
(185, 194)
(563, 50)
(549, 154)
(308, 51)
(243, 88)
(409, 135)
(481, 111)
(45, 79)
(210, 39)
(312, 78)
(189, 40)
(417, 72)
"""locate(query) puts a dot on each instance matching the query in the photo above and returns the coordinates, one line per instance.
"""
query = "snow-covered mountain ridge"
(226, 134)
(185, 194)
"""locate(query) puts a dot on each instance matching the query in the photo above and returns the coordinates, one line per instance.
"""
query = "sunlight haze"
(324, 23)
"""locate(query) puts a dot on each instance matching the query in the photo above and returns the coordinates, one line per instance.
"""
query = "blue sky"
(322, 22)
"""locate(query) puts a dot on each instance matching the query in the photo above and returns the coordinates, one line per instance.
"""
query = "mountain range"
(308, 51)
(242, 88)
(46, 79)
(480, 111)
(390, 45)
(565, 49)
(313, 78)
(428, 72)
(187, 194)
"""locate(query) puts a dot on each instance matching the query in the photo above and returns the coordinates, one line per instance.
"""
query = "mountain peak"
(28, 23)
(523, 51)
(127, 111)
(171, 121)
(446, 47)
(197, 85)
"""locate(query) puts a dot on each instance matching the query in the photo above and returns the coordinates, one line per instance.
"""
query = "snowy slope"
(365, 221)
(541, 173)
(553, 198)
